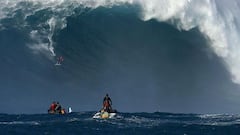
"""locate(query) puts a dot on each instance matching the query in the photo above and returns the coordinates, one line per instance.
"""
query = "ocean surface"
(123, 124)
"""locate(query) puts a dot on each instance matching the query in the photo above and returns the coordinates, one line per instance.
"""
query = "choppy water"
(124, 123)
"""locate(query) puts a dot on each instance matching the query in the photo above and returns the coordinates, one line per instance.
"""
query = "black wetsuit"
(58, 108)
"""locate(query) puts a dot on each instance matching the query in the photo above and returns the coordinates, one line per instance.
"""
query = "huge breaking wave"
(217, 20)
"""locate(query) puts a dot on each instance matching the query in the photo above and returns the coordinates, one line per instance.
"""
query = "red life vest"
(52, 107)
(106, 103)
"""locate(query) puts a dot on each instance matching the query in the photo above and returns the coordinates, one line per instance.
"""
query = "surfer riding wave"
(59, 60)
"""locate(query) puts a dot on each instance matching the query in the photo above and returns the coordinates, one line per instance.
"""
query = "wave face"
(128, 123)
(217, 20)
(158, 55)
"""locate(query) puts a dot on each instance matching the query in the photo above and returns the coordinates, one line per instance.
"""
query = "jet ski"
(55, 108)
(105, 114)
(62, 111)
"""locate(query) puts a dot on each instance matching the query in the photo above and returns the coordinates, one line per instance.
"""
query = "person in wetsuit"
(60, 60)
(107, 103)
(58, 108)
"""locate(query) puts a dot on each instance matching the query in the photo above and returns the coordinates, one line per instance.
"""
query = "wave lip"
(218, 22)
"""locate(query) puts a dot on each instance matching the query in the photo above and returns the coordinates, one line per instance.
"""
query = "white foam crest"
(56, 3)
(217, 21)
(3, 7)
(161, 9)
(56, 22)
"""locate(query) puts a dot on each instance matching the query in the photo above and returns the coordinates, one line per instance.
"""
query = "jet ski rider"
(107, 103)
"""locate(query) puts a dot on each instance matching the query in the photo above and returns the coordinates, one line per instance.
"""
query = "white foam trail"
(39, 45)
(52, 24)
(216, 19)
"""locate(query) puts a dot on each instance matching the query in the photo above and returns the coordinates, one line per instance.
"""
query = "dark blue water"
(124, 123)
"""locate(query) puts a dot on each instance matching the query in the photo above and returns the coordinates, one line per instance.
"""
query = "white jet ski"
(104, 115)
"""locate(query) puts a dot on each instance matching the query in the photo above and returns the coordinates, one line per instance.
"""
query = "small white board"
(58, 64)
(69, 110)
